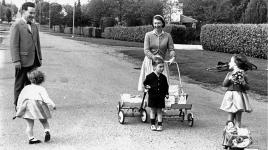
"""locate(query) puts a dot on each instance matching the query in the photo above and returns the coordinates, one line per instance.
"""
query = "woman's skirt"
(34, 109)
(146, 69)
(234, 101)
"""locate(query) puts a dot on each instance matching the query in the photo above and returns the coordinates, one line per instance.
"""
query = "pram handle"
(178, 69)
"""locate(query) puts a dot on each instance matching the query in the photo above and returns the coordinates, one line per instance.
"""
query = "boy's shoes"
(34, 141)
(159, 128)
(153, 127)
(47, 136)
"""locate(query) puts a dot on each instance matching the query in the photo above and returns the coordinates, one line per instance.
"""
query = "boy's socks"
(152, 121)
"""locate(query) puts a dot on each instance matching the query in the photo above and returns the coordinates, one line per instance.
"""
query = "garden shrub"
(137, 34)
(68, 30)
(250, 39)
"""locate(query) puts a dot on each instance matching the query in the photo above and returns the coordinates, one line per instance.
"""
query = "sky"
(18, 3)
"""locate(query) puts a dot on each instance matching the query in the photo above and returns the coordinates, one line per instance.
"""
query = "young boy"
(157, 86)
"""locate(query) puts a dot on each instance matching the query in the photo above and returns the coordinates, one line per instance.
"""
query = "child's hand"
(167, 96)
(147, 86)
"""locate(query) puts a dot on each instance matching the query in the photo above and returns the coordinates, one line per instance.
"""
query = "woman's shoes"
(34, 141)
(47, 136)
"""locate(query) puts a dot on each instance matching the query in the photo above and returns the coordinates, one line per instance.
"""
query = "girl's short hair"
(36, 76)
(157, 61)
(242, 61)
(159, 17)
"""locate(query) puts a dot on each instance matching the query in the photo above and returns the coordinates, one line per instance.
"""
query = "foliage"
(68, 19)
(256, 12)
(44, 6)
(250, 39)
(78, 14)
(137, 33)
(56, 15)
(9, 15)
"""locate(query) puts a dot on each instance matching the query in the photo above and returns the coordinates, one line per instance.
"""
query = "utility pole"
(73, 18)
(49, 15)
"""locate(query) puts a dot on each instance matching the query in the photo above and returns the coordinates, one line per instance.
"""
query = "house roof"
(185, 19)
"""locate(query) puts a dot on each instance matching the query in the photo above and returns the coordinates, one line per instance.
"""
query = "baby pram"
(176, 104)
(236, 138)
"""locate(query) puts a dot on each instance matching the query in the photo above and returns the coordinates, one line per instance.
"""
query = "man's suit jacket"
(25, 43)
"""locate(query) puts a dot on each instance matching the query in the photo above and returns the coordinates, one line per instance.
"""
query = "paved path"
(187, 47)
(85, 81)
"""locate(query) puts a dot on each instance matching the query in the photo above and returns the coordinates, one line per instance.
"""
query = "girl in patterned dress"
(33, 104)
(236, 100)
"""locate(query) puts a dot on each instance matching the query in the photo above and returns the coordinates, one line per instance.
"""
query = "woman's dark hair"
(36, 77)
(157, 61)
(159, 17)
(26, 5)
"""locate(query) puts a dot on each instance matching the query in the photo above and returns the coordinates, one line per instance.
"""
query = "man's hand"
(167, 96)
(17, 65)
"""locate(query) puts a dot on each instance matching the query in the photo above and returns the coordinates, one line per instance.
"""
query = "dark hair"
(36, 76)
(26, 5)
(159, 17)
(157, 61)
(242, 61)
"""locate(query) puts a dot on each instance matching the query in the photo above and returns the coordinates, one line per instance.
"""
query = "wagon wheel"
(118, 107)
(190, 119)
(143, 116)
(182, 116)
(121, 117)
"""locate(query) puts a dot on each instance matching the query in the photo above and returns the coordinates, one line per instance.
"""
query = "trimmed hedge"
(137, 34)
(251, 39)
(68, 30)
(87, 31)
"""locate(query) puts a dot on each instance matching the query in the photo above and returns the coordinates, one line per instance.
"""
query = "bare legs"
(29, 128)
(235, 117)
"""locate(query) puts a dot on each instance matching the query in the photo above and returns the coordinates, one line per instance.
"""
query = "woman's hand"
(172, 60)
(167, 96)
(147, 87)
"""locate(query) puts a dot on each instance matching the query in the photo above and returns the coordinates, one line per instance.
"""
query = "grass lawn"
(193, 64)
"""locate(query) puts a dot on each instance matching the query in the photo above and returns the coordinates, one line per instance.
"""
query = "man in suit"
(24, 47)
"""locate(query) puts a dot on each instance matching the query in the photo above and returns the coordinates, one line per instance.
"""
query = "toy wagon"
(176, 105)
(131, 106)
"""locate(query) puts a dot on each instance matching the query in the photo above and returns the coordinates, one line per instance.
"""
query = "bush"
(250, 39)
(68, 30)
(106, 22)
(78, 31)
(96, 32)
(87, 31)
(137, 34)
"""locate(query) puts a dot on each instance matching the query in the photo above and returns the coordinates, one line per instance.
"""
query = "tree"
(9, 15)
(44, 6)
(68, 19)
(256, 12)
(94, 11)
(55, 14)
(78, 14)
(3, 2)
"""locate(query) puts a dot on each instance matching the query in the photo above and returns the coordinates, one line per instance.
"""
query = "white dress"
(33, 103)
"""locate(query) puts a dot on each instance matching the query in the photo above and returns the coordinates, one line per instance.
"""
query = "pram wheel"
(182, 115)
(190, 119)
(121, 117)
(118, 106)
(143, 116)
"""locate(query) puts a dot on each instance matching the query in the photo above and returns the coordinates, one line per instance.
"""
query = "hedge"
(68, 30)
(251, 39)
(87, 31)
(137, 33)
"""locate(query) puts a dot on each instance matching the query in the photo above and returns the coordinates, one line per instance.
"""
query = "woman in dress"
(157, 43)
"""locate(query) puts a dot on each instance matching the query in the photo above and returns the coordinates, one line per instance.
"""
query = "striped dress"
(34, 103)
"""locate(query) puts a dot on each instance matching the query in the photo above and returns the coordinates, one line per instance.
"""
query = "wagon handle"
(181, 88)
(144, 94)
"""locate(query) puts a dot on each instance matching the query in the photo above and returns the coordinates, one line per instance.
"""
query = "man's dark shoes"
(34, 141)
(47, 136)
